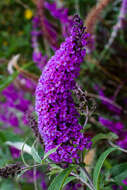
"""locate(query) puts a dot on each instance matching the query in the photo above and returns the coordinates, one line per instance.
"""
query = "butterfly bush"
(57, 116)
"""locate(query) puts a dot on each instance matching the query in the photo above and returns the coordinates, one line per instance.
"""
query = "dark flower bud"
(10, 170)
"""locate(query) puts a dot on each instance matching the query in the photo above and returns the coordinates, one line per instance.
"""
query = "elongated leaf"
(50, 152)
(58, 182)
(69, 179)
(22, 151)
(82, 175)
(35, 155)
(54, 172)
(99, 165)
(19, 146)
(101, 136)
(9, 136)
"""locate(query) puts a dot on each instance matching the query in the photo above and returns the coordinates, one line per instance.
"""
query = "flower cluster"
(57, 116)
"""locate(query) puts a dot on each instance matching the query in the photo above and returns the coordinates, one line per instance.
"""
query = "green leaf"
(69, 179)
(50, 152)
(54, 171)
(107, 164)
(35, 155)
(82, 175)
(101, 136)
(10, 136)
(54, 166)
(99, 165)
(59, 181)
(19, 146)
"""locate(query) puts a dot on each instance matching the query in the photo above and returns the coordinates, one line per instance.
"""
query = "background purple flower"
(118, 128)
(14, 103)
(61, 14)
(109, 105)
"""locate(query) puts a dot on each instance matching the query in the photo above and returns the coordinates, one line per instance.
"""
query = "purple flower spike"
(57, 116)
(108, 104)
(60, 13)
(116, 127)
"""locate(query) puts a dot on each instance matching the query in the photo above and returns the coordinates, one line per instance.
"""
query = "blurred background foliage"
(104, 68)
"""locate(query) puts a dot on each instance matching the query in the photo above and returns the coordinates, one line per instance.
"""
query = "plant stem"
(78, 177)
(88, 177)
(114, 145)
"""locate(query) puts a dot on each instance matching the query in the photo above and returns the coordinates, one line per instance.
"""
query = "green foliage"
(101, 136)
(5, 156)
(68, 180)
(8, 184)
(60, 180)
(6, 81)
(119, 173)
(9, 136)
(98, 166)
(119, 178)
(46, 155)
(35, 155)
(20, 145)
(117, 169)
